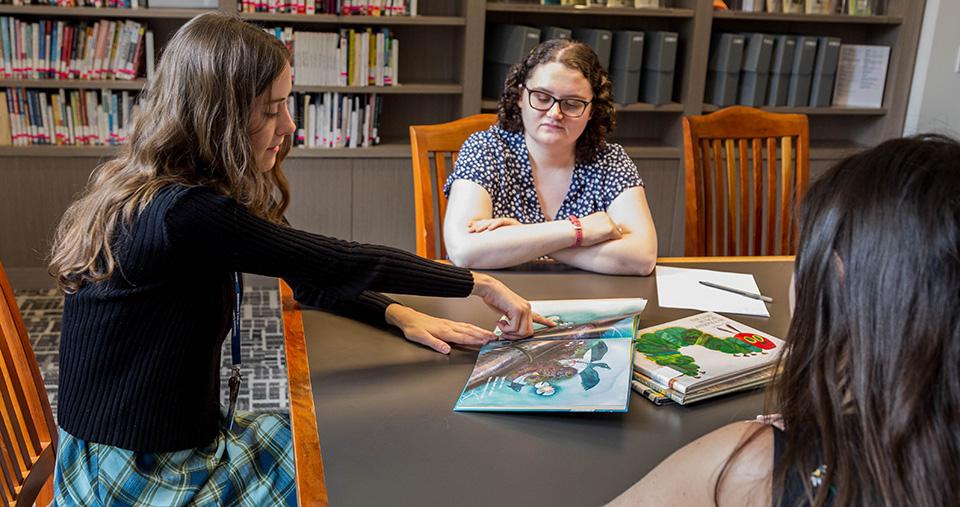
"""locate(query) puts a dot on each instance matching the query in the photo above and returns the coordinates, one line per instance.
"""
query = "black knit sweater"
(140, 352)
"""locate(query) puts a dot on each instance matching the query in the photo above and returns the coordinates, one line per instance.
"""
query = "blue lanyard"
(235, 377)
(235, 338)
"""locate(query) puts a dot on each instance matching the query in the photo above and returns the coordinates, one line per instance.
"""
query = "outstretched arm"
(634, 253)
(506, 243)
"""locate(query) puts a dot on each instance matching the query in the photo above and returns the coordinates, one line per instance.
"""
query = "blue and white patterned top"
(498, 161)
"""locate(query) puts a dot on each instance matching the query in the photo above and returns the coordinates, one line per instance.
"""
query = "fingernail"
(445, 349)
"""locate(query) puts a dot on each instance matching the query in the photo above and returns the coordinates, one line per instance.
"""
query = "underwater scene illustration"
(581, 366)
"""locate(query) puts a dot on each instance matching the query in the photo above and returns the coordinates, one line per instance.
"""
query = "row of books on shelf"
(339, 7)
(336, 120)
(112, 4)
(104, 117)
(47, 49)
(345, 58)
(853, 7)
(65, 117)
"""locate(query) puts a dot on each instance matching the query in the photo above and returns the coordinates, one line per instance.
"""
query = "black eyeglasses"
(543, 101)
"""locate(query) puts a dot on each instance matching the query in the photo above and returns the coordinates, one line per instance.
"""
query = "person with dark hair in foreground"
(869, 391)
(544, 180)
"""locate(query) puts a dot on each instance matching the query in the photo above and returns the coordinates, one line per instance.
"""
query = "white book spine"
(148, 54)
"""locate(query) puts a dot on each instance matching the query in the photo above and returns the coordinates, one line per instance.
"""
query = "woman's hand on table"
(518, 318)
(435, 332)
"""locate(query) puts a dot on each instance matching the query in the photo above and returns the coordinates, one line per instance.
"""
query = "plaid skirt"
(251, 465)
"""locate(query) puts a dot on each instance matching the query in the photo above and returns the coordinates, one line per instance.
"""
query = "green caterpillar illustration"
(663, 347)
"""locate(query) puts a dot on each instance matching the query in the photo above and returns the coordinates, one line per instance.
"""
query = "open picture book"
(584, 364)
(703, 356)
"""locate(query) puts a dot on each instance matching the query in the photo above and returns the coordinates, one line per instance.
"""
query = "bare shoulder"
(690, 474)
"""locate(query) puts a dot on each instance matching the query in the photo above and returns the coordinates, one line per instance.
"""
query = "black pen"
(765, 299)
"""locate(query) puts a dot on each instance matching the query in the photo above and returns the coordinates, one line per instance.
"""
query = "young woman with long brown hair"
(149, 258)
(869, 392)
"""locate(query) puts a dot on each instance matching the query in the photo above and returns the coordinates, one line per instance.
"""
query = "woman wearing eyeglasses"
(544, 181)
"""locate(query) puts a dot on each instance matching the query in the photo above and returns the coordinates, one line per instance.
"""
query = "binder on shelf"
(798, 94)
(555, 32)
(505, 46)
(625, 65)
(755, 72)
(659, 61)
(781, 63)
(861, 75)
(599, 40)
(824, 70)
(726, 58)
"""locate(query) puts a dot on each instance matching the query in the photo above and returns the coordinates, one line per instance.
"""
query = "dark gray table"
(389, 435)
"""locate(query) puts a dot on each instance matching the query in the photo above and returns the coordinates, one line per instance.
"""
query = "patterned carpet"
(264, 367)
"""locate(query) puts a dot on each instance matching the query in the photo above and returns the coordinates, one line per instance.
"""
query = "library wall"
(366, 194)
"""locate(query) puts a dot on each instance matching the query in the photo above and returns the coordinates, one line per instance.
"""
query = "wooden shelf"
(831, 110)
(833, 150)
(643, 107)
(331, 19)
(639, 107)
(102, 12)
(386, 150)
(97, 84)
(58, 151)
(807, 18)
(583, 10)
(409, 89)
(652, 148)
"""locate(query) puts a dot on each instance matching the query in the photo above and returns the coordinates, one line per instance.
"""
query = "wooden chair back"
(28, 433)
(437, 142)
(746, 171)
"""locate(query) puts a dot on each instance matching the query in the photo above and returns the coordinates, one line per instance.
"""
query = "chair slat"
(10, 470)
(731, 192)
(706, 206)
(744, 220)
(15, 457)
(757, 175)
(787, 178)
(715, 238)
(771, 189)
(441, 158)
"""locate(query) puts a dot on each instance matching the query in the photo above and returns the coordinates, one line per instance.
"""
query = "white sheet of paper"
(681, 288)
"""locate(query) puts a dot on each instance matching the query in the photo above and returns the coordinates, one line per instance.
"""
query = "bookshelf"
(365, 194)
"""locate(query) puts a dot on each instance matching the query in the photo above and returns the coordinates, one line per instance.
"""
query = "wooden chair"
(735, 187)
(437, 140)
(28, 433)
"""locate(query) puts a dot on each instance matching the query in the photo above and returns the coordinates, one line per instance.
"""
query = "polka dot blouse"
(498, 161)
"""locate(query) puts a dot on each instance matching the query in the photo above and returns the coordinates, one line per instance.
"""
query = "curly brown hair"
(574, 55)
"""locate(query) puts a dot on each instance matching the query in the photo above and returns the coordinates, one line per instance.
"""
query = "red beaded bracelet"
(578, 227)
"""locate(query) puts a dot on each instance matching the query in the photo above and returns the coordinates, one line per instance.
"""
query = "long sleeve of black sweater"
(217, 230)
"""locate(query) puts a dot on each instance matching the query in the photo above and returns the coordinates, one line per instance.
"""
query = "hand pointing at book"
(518, 317)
